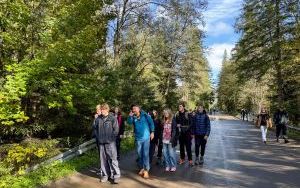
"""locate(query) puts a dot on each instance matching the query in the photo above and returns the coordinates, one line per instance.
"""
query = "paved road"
(235, 157)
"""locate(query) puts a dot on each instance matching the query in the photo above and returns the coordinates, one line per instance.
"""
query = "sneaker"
(173, 169)
(116, 180)
(103, 179)
(201, 161)
(146, 174)
(286, 141)
(265, 142)
(141, 173)
(167, 169)
(191, 163)
(181, 161)
(277, 139)
(158, 162)
(197, 161)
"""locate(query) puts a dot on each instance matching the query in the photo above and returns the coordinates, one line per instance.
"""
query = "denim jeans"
(143, 153)
(169, 155)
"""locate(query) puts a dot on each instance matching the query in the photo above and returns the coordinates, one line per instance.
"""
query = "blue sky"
(220, 17)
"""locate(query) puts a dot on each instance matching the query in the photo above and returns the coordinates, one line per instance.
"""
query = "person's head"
(117, 111)
(168, 115)
(154, 113)
(200, 108)
(263, 109)
(98, 109)
(136, 109)
(104, 109)
(181, 107)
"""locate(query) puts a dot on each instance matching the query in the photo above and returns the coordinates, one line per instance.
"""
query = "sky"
(220, 17)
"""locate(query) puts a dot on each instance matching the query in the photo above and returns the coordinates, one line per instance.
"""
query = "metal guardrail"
(71, 153)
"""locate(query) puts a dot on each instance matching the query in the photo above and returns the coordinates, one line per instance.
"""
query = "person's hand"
(205, 137)
(151, 136)
(96, 115)
(131, 113)
(121, 136)
(178, 125)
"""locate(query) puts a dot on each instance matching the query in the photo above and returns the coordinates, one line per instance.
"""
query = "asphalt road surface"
(235, 157)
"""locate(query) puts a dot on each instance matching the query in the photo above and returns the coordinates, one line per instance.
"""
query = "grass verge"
(45, 174)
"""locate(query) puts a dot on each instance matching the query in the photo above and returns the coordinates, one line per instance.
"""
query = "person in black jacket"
(106, 129)
(281, 120)
(157, 140)
(185, 140)
(169, 139)
(121, 123)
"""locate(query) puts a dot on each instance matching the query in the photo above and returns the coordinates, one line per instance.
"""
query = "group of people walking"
(150, 132)
(280, 120)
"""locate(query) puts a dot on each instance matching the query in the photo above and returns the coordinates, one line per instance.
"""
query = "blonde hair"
(98, 107)
(104, 106)
(169, 112)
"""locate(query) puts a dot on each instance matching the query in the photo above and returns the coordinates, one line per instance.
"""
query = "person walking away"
(157, 140)
(106, 130)
(121, 123)
(200, 129)
(185, 140)
(169, 140)
(281, 120)
(144, 132)
(262, 121)
(243, 113)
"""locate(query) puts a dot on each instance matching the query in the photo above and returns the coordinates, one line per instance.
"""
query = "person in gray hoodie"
(105, 130)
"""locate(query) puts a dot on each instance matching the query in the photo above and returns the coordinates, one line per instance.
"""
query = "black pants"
(118, 144)
(279, 128)
(152, 147)
(200, 141)
(185, 143)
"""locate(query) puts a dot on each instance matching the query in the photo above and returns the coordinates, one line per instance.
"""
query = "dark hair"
(134, 105)
(182, 104)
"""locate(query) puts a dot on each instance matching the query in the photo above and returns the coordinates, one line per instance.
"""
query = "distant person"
(143, 132)
(215, 111)
(157, 140)
(243, 113)
(121, 123)
(200, 130)
(170, 135)
(106, 129)
(281, 119)
(262, 122)
(185, 140)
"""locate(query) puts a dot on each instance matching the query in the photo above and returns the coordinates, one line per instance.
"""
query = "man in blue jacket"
(200, 130)
(144, 132)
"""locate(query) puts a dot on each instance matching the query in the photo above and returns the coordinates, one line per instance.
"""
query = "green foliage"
(43, 175)
(21, 157)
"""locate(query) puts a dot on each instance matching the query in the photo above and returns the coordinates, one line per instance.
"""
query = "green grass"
(294, 134)
(57, 170)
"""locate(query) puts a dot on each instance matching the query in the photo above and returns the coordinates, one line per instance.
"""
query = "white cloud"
(215, 55)
(219, 28)
(222, 9)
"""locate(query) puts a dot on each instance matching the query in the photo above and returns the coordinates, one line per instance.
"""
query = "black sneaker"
(277, 140)
(197, 161)
(286, 141)
(201, 160)
(265, 142)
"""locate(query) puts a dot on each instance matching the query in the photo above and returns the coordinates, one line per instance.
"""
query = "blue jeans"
(169, 155)
(143, 153)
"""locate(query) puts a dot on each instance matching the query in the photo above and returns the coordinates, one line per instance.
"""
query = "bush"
(21, 157)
